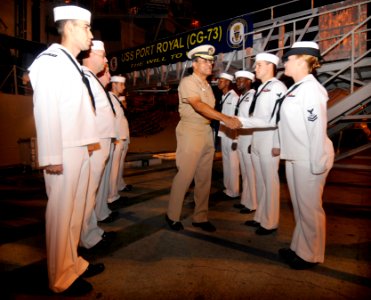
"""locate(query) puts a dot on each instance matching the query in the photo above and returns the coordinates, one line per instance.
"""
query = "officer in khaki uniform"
(195, 145)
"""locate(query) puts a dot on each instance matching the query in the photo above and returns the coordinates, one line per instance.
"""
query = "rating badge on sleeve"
(312, 117)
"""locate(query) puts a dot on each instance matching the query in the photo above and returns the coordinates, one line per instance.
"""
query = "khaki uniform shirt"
(192, 86)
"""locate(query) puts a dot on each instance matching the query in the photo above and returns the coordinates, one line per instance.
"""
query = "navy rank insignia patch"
(312, 117)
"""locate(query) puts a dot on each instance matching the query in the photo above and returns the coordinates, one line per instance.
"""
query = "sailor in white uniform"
(122, 138)
(65, 126)
(97, 208)
(231, 163)
(266, 163)
(308, 152)
(248, 201)
(301, 115)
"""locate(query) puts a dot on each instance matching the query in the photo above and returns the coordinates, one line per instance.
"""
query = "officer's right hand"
(233, 123)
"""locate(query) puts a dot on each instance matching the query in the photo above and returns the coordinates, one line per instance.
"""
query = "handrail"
(252, 14)
(295, 21)
(143, 77)
(15, 72)
(271, 8)
(298, 34)
(350, 65)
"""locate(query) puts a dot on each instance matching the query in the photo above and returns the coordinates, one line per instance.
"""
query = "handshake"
(232, 122)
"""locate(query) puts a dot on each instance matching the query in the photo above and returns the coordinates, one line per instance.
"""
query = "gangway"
(276, 35)
(340, 29)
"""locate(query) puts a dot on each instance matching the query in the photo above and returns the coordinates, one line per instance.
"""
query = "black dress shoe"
(112, 217)
(119, 203)
(263, 231)
(298, 263)
(127, 188)
(79, 287)
(252, 223)
(246, 210)
(109, 235)
(226, 197)
(206, 226)
(239, 206)
(174, 225)
(92, 270)
(286, 254)
(103, 244)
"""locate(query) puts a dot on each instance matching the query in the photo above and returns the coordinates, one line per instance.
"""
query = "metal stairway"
(342, 33)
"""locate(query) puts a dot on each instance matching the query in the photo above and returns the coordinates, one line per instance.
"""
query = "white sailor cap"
(118, 78)
(226, 76)
(71, 12)
(245, 74)
(97, 45)
(203, 51)
(304, 47)
(274, 59)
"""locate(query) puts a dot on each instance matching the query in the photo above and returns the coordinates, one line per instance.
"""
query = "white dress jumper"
(309, 156)
(97, 208)
(248, 195)
(231, 163)
(265, 165)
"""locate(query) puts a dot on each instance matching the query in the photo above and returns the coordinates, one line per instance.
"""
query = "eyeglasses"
(206, 61)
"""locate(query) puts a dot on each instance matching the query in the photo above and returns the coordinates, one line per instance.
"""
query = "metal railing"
(15, 81)
(275, 35)
(305, 25)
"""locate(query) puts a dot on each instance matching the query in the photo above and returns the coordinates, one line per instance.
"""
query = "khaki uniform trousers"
(194, 160)
(64, 215)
